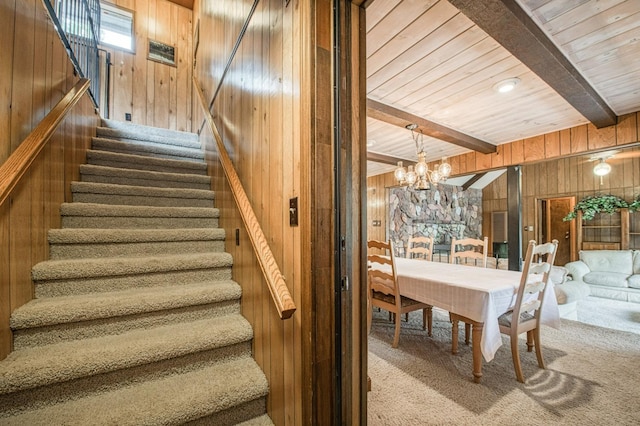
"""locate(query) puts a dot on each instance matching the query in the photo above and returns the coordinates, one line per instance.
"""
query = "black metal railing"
(78, 24)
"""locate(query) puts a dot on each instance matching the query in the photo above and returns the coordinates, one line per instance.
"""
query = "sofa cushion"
(609, 279)
(620, 261)
(636, 261)
(634, 281)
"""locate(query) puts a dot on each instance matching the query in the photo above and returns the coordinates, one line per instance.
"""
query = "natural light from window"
(116, 26)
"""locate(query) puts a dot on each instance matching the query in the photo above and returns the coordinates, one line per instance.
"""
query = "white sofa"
(613, 274)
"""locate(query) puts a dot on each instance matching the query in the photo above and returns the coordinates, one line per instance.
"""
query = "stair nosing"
(120, 266)
(115, 210)
(156, 161)
(132, 236)
(60, 362)
(107, 171)
(80, 187)
(170, 391)
(47, 311)
(150, 147)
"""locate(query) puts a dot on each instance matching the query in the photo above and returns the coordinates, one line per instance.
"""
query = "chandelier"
(420, 176)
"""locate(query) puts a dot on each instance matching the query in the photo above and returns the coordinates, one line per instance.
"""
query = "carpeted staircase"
(136, 319)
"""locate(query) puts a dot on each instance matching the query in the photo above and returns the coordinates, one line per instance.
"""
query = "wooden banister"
(277, 286)
(19, 161)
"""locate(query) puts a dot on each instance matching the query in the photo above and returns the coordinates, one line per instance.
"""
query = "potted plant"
(634, 206)
(594, 204)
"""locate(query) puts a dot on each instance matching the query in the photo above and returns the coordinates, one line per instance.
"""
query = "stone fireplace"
(443, 212)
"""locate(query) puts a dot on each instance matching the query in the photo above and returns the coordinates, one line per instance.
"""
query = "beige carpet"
(592, 378)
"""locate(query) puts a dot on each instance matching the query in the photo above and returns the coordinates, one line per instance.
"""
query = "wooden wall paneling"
(264, 168)
(184, 70)
(600, 138)
(290, 256)
(579, 136)
(22, 73)
(561, 176)
(7, 33)
(533, 149)
(56, 176)
(483, 161)
(173, 71)
(278, 207)
(140, 64)
(497, 158)
(5, 282)
(470, 162)
(162, 71)
(517, 152)
(552, 145)
(151, 69)
(122, 84)
(299, 141)
(627, 129)
(20, 243)
(565, 142)
(39, 94)
(38, 203)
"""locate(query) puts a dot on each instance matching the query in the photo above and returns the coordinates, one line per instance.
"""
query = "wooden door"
(554, 228)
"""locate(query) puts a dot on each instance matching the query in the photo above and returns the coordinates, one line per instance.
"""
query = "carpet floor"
(591, 378)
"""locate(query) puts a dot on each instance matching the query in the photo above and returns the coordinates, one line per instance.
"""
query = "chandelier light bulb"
(400, 172)
(411, 176)
(444, 168)
(421, 167)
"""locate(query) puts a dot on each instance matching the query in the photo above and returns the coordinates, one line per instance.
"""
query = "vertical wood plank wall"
(554, 165)
(35, 75)
(258, 111)
(155, 94)
(274, 110)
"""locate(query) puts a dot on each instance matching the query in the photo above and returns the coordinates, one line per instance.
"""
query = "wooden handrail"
(275, 281)
(19, 161)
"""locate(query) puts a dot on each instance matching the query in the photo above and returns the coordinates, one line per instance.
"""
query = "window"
(116, 26)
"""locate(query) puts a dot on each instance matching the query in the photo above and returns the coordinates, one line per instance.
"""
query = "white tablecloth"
(480, 294)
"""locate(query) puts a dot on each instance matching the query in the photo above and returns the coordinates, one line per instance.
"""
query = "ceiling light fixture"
(602, 169)
(419, 176)
(507, 85)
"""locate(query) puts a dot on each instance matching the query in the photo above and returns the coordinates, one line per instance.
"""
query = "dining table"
(478, 295)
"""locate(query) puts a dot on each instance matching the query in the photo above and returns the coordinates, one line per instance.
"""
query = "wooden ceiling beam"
(400, 118)
(473, 180)
(509, 25)
(384, 159)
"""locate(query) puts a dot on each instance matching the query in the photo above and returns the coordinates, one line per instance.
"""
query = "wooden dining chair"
(384, 291)
(469, 251)
(420, 248)
(524, 317)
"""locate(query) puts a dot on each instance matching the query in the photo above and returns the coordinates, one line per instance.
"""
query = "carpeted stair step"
(100, 216)
(149, 149)
(140, 162)
(119, 176)
(104, 193)
(52, 320)
(148, 131)
(83, 367)
(70, 243)
(227, 388)
(133, 134)
(81, 276)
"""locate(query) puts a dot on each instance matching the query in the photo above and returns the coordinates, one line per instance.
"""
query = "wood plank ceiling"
(428, 59)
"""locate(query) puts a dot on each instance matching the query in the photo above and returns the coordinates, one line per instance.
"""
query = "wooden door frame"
(573, 245)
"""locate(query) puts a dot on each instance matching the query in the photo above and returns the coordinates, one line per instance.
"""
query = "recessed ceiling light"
(370, 143)
(507, 85)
